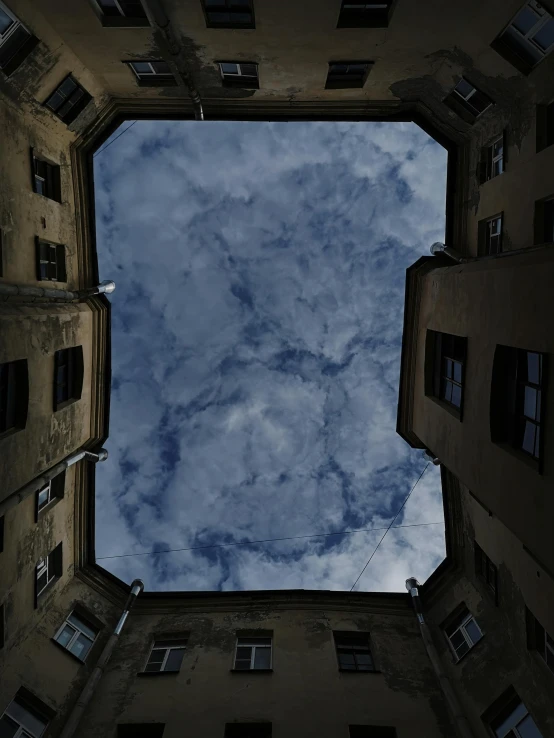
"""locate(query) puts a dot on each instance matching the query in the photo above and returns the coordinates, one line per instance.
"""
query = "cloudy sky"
(256, 343)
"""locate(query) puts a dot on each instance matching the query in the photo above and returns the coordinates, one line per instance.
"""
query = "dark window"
(466, 100)
(153, 73)
(14, 396)
(486, 570)
(68, 376)
(545, 126)
(50, 261)
(539, 640)
(353, 651)
(1, 252)
(229, 13)
(493, 159)
(509, 718)
(140, 730)
(347, 74)
(166, 656)
(51, 493)
(47, 571)
(248, 730)
(25, 717)
(77, 634)
(68, 100)
(122, 13)
(2, 626)
(1, 533)
(517, 399)
(489, 236)
(253, 653)
(16, 43)
(46, 178)
(371, 731)
(239, 74)
(544, 221)
(462, 633)
(528, 38)
(364, 15)
(445, 361)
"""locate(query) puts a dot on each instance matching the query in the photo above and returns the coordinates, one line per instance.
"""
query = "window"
(77, 635)
(466, 100)
(248, 730)
(243, 74)
(544, 221)
(1, 533)
(545, 126)
(1, 252)
(166, 656)
(2, 626)
(16, 43)
(253, 653)
(14, 395)
(347, 74)
(353, 651)
(229, 13)
(445, 360)
(371, 731)
(539, 640)
(492, 162)
(513, 720)
(528, 38)
(68, 376)
(50, 261)
(364, 15)
(25, 717)
(140, 730)
(486, 570)
(153, 73)
(489, 236)
(122, 13)
(52, 492)
(68, 100)
(463, 633)
(46, 178)
(48, 570)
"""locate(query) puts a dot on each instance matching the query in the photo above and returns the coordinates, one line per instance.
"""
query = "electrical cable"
(266, 540)
(114, 139)
(390, 526)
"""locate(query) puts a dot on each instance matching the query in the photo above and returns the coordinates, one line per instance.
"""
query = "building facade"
(474, 378)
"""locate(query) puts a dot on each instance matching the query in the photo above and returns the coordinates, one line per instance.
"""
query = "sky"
(256, 332)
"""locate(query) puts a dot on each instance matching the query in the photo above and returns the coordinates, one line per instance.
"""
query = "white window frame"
(239, 73)
(43, 565)
(179, 645)
(76, 635)
(470, 94)
(119, 8)
(467, 638)
(496, 221)
(518, 715)
(49, 498)
(22, 731)
(152, 72)
(498, 157)
(244, 642)
(16, 24)
(528, 38)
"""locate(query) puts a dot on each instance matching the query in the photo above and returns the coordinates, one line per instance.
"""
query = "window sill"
(251, 671)
(165, 672)
(47, 197)
(72, 655)
(61, 405)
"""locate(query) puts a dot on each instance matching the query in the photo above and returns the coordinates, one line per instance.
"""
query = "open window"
(492, 161)
(346, 74)
(14, 396)
(467, 101)
(527, 38)
(539, 640)
(48, 495)
(68, 376)
(47, 571)
(166, 656)
(489, 235)
(121, 13)
(239, 74)
(462, 632)
(358, 14)
(45, 177)
(229, 13)
(16, 41)
(152, 73)
(486, 571)
(545, 126)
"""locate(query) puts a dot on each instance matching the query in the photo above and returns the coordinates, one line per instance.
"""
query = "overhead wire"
(390, 526)
(114, 139)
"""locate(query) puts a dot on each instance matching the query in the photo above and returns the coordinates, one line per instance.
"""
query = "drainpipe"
(160, 22)
(49, 293)
(92, 682)
(463, 727)
(431, 458)
(18, 496)
(442, 248)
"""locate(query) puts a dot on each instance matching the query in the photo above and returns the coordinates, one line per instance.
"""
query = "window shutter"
(539, 222)
(60, 261)
(38, 254)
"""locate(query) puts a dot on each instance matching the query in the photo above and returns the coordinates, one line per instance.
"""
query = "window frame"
(507, 707)
(34, 707)
(76, 108)
(540, 640)
(488, 160)
(242, 642)
(458, 624)
(51, 564)
(93, 626)
(244, 81)
(436, 369)
(461, 104)
(357, 18)
(519, 48)
(179, 644)
(355, 643)
(56, 491)
(231, 11)
(543, 221)
(23, 49)
(14, 396)
(119, 21)
(485, 244)
(486, 571)
(152, 78)
(73, 380)
(544, 124)
(52, 180)
(345, 81)
(55, 261)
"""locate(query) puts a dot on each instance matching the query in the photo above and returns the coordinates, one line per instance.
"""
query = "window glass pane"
(533, 367)
(456, 395)
(227, 68)
(356, 68)
(42, 581)
(464, 88)
(537, 442)
(67, 86)
(161, 67)
(39, 186)
(81, 646)
(248, 69)
(7, 727)
(447, 391)
(525, 20)
(243, 652)
(174, 659)
(241, 17)
(457, 371)
(528, 442)
(338, 68)
(262, 658)
(90, 632)
(462, 649)
(141, 67)
(364, 661)
(346, 660)
(511, 721)
(219, 17)
(545, 37)
(66, 635)
(457, 639)
(5, 21)
(473, 630)
(54, 101)
(498, 167)
(43, 497)
(530, 402)
(26, 719)
(528, 729)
